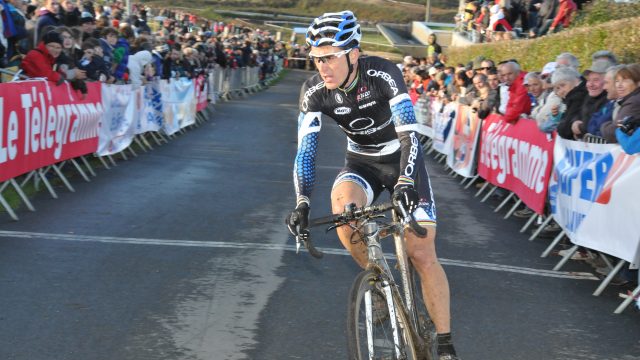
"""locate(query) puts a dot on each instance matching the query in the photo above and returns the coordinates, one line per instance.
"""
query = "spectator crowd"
(600, 104)
(487, 21)
(80, 41)
(604, 97)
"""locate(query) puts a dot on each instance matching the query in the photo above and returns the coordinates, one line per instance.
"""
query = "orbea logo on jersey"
(413, 154)
(342, 110)
(308, 93)
(386, 77)
(339, 99)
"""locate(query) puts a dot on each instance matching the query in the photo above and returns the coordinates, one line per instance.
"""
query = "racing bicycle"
(385, 319)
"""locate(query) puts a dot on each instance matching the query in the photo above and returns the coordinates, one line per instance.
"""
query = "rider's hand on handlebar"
(407, 197)
(298, 220)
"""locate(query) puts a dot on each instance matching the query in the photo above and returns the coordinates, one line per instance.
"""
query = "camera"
(629, 124)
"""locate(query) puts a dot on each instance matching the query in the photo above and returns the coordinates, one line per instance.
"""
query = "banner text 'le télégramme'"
(42, 124)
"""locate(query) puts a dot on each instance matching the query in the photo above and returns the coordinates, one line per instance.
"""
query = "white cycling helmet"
(339, 29)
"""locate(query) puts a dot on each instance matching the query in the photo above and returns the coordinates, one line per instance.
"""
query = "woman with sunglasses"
(368, 99)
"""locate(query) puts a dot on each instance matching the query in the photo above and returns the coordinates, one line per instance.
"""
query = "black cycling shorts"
(374, 174)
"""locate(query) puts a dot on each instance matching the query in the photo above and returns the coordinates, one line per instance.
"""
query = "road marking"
(283, 247)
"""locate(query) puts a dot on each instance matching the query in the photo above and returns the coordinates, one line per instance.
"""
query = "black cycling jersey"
(377, 116)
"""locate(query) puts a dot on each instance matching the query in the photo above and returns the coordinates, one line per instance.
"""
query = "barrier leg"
(541, 227)
(130, 149)
(606, 261)
(26, 179)
(88, 166)
(42, 176)
(22, 195)
(124, 156)
(104, 163)
(486, 197)
(486, 184)
(609, 278)
(112, 160)
(627, 301)
(470, 179)
(566, 258)
(63, 178)
(529, 222)
(143, 138)
(79, 168)
(504, 202)
(159, 138)
(137, 140)
(513, 209)
(473, 180)
(431, 149)
(553, 244)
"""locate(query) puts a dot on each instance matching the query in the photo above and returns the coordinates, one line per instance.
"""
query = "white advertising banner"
(179, 104)
(442, 118)
(423, 116)
(594, 197)
(151, 115)
(464, 135)
(120, 118)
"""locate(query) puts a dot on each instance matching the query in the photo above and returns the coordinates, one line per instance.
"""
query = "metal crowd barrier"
(222, 84)
(226, 84)
(543, 221)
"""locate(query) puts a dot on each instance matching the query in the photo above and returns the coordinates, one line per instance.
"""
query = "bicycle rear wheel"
(370, 328)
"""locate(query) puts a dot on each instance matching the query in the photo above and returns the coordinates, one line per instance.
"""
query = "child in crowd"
(92, 61)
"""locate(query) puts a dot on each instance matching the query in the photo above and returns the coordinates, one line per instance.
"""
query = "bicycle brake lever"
(335, 226)
(407, 220)
(298, 239)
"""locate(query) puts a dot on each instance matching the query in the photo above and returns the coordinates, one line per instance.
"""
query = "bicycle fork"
(371, 232)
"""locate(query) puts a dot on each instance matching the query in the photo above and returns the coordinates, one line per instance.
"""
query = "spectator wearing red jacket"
(566, 9)
(519, 101)
(40, 61)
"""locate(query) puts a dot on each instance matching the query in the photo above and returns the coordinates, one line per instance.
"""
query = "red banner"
(201, 93)
(517, 157)
(43, 124)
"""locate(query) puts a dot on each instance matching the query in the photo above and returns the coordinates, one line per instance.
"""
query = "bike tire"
(383, 343)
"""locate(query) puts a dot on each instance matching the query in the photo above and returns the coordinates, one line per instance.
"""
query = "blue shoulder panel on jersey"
(402, 113)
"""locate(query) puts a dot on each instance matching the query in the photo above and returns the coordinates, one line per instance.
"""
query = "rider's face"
(331, 62)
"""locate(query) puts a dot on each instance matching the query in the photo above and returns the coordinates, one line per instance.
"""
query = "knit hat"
(86, 17)
(52, 37)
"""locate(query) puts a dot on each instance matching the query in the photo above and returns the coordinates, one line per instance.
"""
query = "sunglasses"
(328, 58)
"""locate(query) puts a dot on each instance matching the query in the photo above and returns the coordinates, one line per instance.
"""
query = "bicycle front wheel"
(370, 328)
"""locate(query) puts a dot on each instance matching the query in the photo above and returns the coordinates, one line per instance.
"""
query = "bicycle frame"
(399, 302)
(377, 262)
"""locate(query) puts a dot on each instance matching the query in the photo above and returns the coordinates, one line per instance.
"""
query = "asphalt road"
(181, 253)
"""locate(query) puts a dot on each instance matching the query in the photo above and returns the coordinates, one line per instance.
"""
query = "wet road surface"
(181, 253)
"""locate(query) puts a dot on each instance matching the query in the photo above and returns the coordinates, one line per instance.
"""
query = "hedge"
(620, 36)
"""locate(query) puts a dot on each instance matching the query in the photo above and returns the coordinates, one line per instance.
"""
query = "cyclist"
(368, 99)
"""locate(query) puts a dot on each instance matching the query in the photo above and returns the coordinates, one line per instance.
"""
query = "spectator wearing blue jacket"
(108, 40)
(121, 53)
